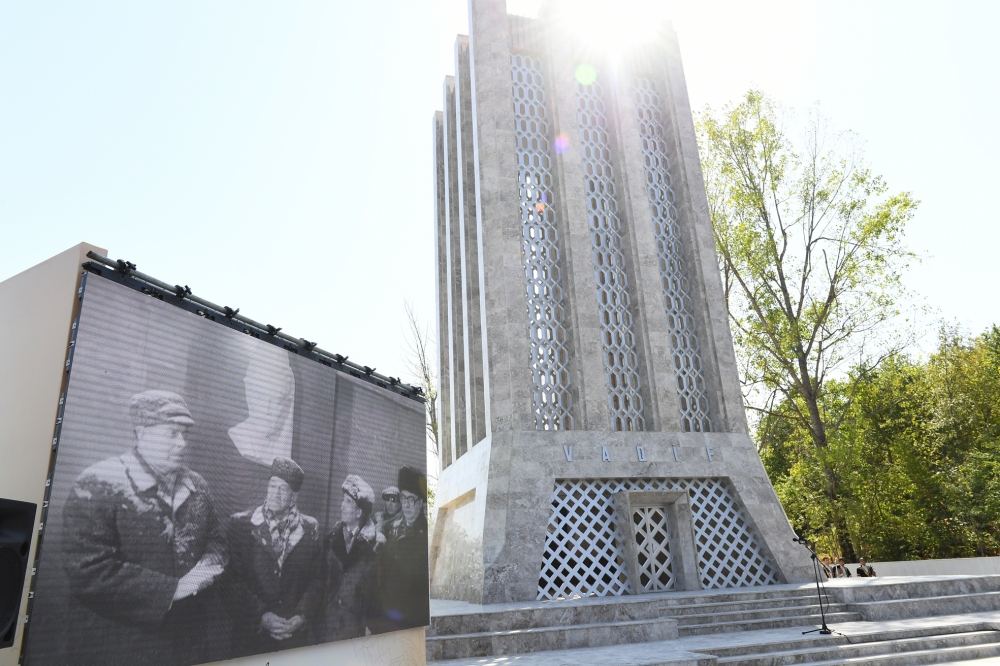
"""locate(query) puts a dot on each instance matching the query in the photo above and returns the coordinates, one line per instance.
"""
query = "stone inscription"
(641, 454)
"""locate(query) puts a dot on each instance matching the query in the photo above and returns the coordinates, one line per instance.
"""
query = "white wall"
(975, 566)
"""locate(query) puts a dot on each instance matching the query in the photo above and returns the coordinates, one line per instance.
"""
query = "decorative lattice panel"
(652, 540)
(583, 556)
(540, 249)
(617, 336)
(695, 414)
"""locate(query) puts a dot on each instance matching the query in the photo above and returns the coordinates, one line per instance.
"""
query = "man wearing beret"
(403, 561)
(276, 560)
(350, 564)
(143, 547)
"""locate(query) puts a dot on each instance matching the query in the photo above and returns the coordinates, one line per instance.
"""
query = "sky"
(277, 157)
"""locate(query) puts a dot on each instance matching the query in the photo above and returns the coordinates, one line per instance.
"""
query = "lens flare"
(586, 74)
(561, 142)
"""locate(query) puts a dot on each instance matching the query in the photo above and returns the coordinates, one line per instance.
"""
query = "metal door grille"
(583, 557)
(613, 303)
(549, 360)
(685, 347)
(652, 539)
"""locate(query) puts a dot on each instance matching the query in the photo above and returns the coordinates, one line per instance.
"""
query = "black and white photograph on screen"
(215, 495)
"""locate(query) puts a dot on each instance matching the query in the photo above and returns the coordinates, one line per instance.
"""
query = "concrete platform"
(891, 621)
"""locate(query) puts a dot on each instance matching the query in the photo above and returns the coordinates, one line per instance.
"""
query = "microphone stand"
(819, 589)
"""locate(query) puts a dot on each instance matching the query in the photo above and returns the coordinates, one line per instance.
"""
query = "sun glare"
(611, 26)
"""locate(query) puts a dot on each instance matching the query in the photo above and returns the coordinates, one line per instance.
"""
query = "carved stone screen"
(540, 249)
(584, 557)
(684, 343)
(214, 494)
(613, 299)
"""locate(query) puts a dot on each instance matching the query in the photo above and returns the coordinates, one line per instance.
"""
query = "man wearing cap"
(403, 561)
(388, 521)
(350, 564)
(143, 546)
(276, 560)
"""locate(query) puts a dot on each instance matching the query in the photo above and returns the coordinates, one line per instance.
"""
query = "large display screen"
(215, 495)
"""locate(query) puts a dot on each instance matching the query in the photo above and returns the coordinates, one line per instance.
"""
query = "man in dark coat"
(865, 570)
(403, 560)
(275, 573)
(350, 564)
(143, 548)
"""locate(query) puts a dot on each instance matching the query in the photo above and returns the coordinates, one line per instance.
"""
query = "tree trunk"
(817, 430)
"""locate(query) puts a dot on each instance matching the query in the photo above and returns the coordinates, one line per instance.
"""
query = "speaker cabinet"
(16, 522)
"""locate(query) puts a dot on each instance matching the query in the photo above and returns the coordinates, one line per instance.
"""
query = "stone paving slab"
(696, 650)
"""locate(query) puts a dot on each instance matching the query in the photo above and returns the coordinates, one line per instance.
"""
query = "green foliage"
(810, 248)
(917, 456)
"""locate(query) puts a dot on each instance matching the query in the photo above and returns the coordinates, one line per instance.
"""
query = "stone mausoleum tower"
(593, 436)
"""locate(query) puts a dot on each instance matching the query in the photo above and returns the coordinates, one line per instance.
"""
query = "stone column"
(456, 329)
(501, 283)
(469, 246)
(440, 258)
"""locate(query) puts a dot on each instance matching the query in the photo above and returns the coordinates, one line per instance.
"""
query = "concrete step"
(765, 623)
(755, 613)
(932, 656)
(520, 641)
(891, 609)
(780, 656)
(702, 608)
(609, 609)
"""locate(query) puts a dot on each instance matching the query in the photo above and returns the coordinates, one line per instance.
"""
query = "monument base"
(529, 515)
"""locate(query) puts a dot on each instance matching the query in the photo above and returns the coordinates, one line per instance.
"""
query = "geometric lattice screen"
(695, 414)
(540, 249)
(583, 557)
(621, 362)
(652, 540)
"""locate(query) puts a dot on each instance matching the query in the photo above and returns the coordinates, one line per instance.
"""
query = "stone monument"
(592, 433)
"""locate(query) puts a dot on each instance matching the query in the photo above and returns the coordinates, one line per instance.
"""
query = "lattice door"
(583, 555)
(652, 540)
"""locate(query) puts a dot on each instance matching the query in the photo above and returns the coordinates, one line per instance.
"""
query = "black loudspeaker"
(16, 522)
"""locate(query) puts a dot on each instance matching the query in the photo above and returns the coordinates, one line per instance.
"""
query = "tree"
(917, 455)
(420, 367)
(810, 249)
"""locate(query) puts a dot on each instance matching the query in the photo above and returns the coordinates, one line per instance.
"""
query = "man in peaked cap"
(403, 585)
(274, 575)
(143, 546)
(350, 563)
(388, 520)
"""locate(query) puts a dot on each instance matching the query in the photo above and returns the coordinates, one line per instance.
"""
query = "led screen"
(216, 495)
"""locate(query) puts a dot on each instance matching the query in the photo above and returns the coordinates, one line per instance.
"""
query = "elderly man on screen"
(142, 545)
(350, 564)
(276, 560)
(403, 561)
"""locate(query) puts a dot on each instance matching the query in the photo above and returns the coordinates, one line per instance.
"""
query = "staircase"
(757, 626)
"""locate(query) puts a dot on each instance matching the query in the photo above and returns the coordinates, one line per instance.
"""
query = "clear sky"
(276, 156)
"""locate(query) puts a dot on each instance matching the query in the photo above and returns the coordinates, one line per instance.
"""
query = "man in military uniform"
(403, 560)
(143, 547)
(388, 521)
(275, 567)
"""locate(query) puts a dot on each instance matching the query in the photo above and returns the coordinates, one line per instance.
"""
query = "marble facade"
(585, 349)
